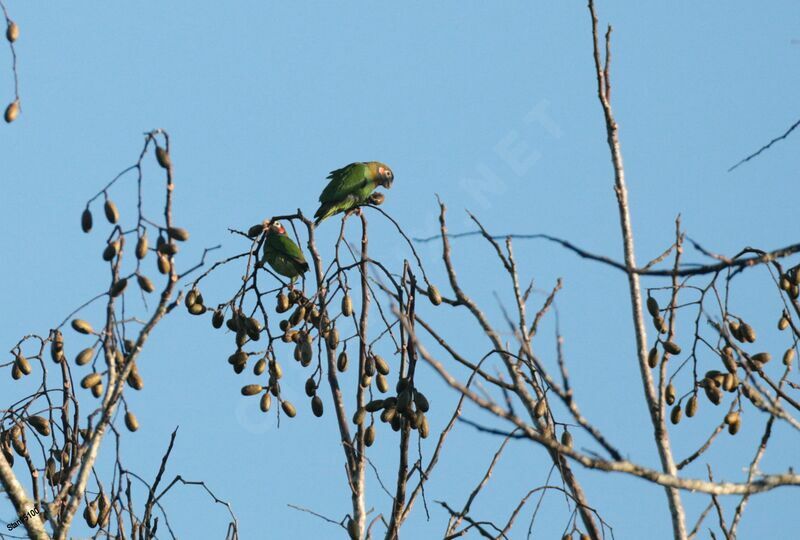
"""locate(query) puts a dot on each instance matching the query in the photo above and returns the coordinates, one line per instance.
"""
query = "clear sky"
(262, 99)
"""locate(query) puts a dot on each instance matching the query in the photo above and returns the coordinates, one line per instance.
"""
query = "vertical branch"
(358, 475)
(620, 188)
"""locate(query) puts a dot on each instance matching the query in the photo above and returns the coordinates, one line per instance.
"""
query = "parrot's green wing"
(345, 181)
(284, 255)
(348, 187)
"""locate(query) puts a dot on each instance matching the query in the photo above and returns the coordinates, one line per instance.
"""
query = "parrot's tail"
(325, 211)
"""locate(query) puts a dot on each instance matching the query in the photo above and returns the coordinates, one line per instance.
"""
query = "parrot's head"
(385, 175)
(277, 228)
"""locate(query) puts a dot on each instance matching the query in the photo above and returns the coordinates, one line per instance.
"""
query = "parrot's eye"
(389, 173)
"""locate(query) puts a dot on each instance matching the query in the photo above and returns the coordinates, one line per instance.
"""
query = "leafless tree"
(353, 324)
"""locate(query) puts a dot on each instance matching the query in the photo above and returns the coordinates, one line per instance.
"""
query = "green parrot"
(282, 254)
(351, 186)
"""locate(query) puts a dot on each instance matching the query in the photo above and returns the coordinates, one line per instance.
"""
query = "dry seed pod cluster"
(407, 408)
(790, 282)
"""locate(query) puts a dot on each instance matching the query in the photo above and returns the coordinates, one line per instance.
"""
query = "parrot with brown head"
(351, 187)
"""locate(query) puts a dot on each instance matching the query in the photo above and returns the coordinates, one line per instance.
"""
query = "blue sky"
(263, 99)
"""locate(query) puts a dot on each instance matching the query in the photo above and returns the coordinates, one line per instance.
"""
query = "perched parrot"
(351, 186)
(282, 254)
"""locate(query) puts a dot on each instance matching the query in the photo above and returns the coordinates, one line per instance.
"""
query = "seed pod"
(365, 381)
(733, 428)
(288, 408)
(145, 283)
(217, 319)
(566, 439)
(421, 401)
(266, 402)
(275, 369)
(90, 515)
(283, 303)
(748, 333)
(341, 362)
(162, 156)
(135, 380)
(713, 394)
(85, 356)
(672, 348)
(306, 353)
(660, 324)
(260, 366)
(675, 415)
(97, 390)
(164, 265)
(198, 309)
(652, 307)
(190, 299)
(251, 389)
(142, 246)
(316, 406)
(652, 357)
(785, 283)
(40, 424)
(110, 251)
(540, 409)
(783, 323)
(253, 328)
(239, 357)
(794, 275)
(729, 382)
(12, 31)
(359, 416)
(86, 220)
(333, 338)
(110, 209)
(669, 394)
(369, 366)
(90, 380)
(178, 233)
(255, 231)
(381, 365)
(728, 360)
(374, 406)
(434, 296)
(347, 305)
(736, 330)
(118, 287)
(388, 414)
(57, 347)
(412, 420)
(311, 387)
(369, 436)
(297, 316)
(22, 364)
(12, 111)
(81, 326)
(424, 428)
(788, 356)
(382, 383)
(16, 374)
(131, 422)
(732, 417)
(761, 358)
(691, 406)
